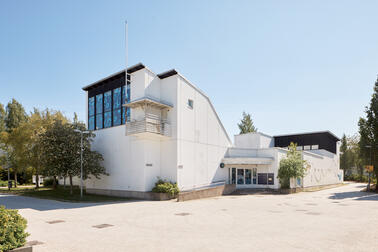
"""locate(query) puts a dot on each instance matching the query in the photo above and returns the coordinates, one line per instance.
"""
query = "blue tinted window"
(91, 106)
(99, 104)
(99, 121)
(117, 117)
(108, 101)
(123, 95)
(107, 119)
(128, 93)
(91, 123)
(117, 98)
(128, 114)
(123, 115)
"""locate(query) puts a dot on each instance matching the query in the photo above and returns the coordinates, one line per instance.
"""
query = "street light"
(81, 158)
(368, 186)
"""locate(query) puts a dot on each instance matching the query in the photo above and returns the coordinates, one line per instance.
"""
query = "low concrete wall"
(309, 188)
(206, 192)
(131, 194)
(22, 249)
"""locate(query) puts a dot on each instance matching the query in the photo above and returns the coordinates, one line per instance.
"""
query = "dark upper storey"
(324, 140)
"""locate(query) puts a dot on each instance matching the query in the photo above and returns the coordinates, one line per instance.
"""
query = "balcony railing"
(148, 124)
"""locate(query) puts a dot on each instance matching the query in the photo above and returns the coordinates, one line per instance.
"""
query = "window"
(314, 147)
(240, 176)
(254, 173)
(117, 106)
(99, 105)
(266, 178)
(307, 147)
(299, 148)
(248, 176)
(91, 113)
(270, 178)
(233, 176)
(190, 103)
(108, 109)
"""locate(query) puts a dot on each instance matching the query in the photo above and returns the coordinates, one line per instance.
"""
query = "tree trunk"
(64, 182)
(15, 179)
(71, 185)
(54, 182)
(36, 179)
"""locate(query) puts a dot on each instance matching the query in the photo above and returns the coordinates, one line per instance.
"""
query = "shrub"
(162, 186)
(12, 229)
(3, 183)
(48, 182)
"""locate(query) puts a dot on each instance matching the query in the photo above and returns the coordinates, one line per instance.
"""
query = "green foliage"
(246, 124)
(48, 182)
(2, 118)
(368, 129)
(359, 178)
(3, 183)
(162, 186)
(293, 166)
(12, 229)
(15, 115)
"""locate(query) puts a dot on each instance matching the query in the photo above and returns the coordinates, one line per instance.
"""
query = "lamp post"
(368, 186)
(81, 158)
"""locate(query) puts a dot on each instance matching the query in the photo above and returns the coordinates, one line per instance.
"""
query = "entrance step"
(248, 191)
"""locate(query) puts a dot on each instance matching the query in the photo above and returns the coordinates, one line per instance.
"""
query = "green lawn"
(60, 194)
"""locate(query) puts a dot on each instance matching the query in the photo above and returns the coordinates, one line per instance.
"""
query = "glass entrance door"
(241, 176)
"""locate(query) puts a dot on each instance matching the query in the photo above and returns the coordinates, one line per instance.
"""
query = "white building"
(161, 125)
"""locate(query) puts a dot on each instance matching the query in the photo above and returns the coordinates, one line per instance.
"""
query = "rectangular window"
(117, 117)
(299, 148)
(307, 147)
(117, 98)
(123, 115)
(240, 176)
(248, 176)
(190, 103)
(233, 176)
(270, 178)
(314, 147)
(262, 178)
(254, 173)
(99, 121)
(91, 106)
(108, 119)
(99, 104)
(91, 123)
(108, 101)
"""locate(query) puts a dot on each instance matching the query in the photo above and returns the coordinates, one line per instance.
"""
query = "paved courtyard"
(338, 219)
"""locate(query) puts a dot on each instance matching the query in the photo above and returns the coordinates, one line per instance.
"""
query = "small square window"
(190, 103)
(314, 147)
(299, 148)
(307, 147)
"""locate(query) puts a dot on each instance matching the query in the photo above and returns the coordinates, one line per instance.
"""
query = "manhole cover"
(102, 226)
(182, 214)
(311, 204)
(55, 221)
(224, 209)
(301, 210)
(335, 202)
(33, 243)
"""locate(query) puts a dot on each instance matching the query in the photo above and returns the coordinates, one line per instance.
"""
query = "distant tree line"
(46, 143)
(362, 149)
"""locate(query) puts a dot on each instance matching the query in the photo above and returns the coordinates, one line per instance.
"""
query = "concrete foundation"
(131, 194)
(206, 192)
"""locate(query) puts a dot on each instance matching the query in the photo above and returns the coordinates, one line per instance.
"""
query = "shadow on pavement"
(22, 202)
(356, 195)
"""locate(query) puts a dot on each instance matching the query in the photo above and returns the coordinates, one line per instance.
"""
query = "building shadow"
(355, 195)
(23, 202)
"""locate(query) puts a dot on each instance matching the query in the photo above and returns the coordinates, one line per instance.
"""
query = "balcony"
(149, 124)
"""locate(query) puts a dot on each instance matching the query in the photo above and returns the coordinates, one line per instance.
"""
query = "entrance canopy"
(247, 161)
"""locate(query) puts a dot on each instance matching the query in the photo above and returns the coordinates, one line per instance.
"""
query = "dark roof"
(326, 132)
(167, 74)
(114, 76)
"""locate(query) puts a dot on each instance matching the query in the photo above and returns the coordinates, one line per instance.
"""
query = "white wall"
(201, 138)
(253, 140)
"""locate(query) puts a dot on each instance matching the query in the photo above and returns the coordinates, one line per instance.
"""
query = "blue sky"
(294, 65)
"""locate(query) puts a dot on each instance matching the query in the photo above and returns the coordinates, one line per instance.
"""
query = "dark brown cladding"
(167, 74)
(113, 81)
(325, 140)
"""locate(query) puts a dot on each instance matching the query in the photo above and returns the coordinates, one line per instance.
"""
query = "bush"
(162, 186)
(48, 182)
(359, 178)
(12, 229)
(3, 183)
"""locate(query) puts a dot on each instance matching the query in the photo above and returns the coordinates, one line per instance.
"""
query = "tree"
(2, 118)
(292, 166)
(15, 115)
(344, 153)
(61, 147)
(368, 129)
(246, 124)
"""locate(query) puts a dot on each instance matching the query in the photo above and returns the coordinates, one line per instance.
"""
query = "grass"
(60, 194)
